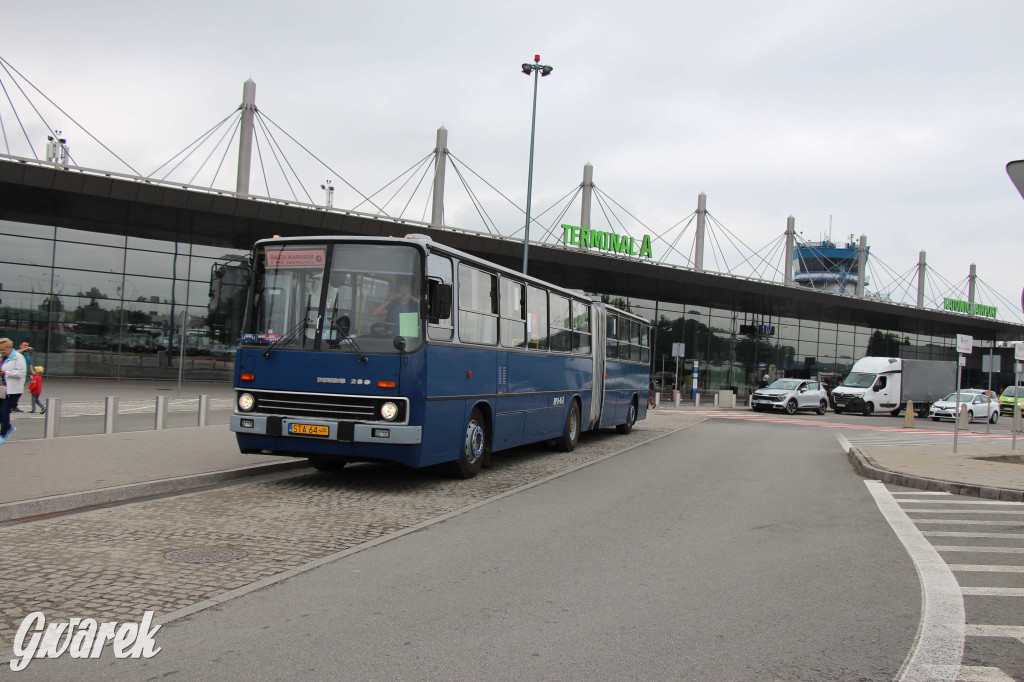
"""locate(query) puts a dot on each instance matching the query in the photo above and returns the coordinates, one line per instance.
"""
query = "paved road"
(730, 550)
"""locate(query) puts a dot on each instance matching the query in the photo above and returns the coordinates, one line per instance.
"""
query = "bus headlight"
(246, 402)
(388, 411)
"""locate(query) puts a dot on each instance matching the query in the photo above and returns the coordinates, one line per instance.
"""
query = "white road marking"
(939, 645)
(963, 522)
(983, 673)
(960, 501)
(923, 492)
(968, 511)
(843, 443)
(1008, 631)
(992, 591)
(961, 534)
(992, 550)
(986, 568)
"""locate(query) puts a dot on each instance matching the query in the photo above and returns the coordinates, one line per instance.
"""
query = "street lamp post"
(536, 70)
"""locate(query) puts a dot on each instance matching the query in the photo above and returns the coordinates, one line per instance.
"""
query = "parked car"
(791, 395)
(1011, 395)
(978, 406)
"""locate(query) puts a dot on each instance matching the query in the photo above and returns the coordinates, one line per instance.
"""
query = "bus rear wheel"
(630, 420)
(567, 441)
(474, 448)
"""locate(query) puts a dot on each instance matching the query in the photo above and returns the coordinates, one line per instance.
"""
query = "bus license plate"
(309, 430)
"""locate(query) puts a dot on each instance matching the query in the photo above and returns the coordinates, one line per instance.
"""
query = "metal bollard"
(696, 399)
(161, 413)
(204, 410)
(657, 399)
(110, 415)
(51, 427)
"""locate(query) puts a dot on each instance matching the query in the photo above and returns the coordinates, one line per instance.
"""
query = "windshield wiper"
(291, 333)
(359, 351)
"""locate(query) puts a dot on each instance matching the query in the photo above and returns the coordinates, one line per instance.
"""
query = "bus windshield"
(344, 297)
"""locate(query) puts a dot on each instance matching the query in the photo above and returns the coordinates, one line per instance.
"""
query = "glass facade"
(101, 305)
(119, 306)
(734, 350)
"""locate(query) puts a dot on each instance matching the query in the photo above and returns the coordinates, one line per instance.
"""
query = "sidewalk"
(40, 476)
(990, 470)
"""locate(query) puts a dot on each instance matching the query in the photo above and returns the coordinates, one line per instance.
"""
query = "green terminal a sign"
(606, 241)
(958, 306)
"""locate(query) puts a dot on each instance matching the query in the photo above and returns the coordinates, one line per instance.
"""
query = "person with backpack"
(35, 387)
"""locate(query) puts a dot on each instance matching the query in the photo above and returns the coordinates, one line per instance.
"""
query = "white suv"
(791, 395)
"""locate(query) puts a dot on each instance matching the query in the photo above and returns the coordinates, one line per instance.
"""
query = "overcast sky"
(896, 119)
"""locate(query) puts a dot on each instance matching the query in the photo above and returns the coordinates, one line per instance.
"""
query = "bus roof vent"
(419, 237)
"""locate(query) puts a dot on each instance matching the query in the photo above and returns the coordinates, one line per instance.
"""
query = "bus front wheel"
(474, 448)
(630, 420)
(571, 435)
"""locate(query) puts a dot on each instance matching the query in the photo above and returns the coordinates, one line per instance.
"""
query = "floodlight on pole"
(537, 70)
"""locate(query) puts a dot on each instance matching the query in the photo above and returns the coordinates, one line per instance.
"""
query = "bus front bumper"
(325, 429)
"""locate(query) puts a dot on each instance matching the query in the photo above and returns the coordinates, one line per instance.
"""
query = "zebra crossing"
(981, 543)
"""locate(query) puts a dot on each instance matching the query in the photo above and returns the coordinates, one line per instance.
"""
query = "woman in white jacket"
(13, 370)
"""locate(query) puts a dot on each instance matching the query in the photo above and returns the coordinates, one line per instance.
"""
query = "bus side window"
(561, 324)
(511, 305)
(623, 339)
(536, 318)
(581, 336)
(439, 268)
(634, 341)
(611, 349)
(478, 302)
(645, 343)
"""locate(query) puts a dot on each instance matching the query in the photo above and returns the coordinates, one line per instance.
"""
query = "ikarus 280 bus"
(405, 350)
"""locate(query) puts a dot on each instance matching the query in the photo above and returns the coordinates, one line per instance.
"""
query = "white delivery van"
(877, 383)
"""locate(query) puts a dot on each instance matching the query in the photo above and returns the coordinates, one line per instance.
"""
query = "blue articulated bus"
(405, 350)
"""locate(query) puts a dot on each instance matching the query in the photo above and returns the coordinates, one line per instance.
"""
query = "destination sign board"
(296, 258)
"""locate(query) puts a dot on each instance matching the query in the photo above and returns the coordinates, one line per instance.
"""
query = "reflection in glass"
(89, 257)
(27, 250)
(85, 237)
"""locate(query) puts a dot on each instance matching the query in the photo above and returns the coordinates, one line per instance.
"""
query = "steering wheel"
(383, 328)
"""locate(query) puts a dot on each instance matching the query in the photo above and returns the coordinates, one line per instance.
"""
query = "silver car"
(791, 395)
(978, 406)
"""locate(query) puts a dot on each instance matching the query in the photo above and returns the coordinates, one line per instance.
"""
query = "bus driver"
(400, 301)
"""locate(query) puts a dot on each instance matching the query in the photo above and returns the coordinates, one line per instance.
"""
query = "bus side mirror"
(440, 303)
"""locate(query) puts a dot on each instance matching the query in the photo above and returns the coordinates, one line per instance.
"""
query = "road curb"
(12, 511)
(869, 468)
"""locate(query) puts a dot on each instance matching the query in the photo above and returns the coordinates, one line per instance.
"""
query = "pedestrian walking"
(25, 350)
(35, 387)
(764, 382)
(13, 370)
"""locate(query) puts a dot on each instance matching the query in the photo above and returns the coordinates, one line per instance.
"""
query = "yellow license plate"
(308, 430)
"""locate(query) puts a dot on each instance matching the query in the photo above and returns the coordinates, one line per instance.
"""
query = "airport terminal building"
(110, 276)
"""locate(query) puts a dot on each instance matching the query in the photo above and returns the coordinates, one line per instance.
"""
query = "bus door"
(597, 326)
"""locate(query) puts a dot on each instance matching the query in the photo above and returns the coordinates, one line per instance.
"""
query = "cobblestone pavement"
(166, 554)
